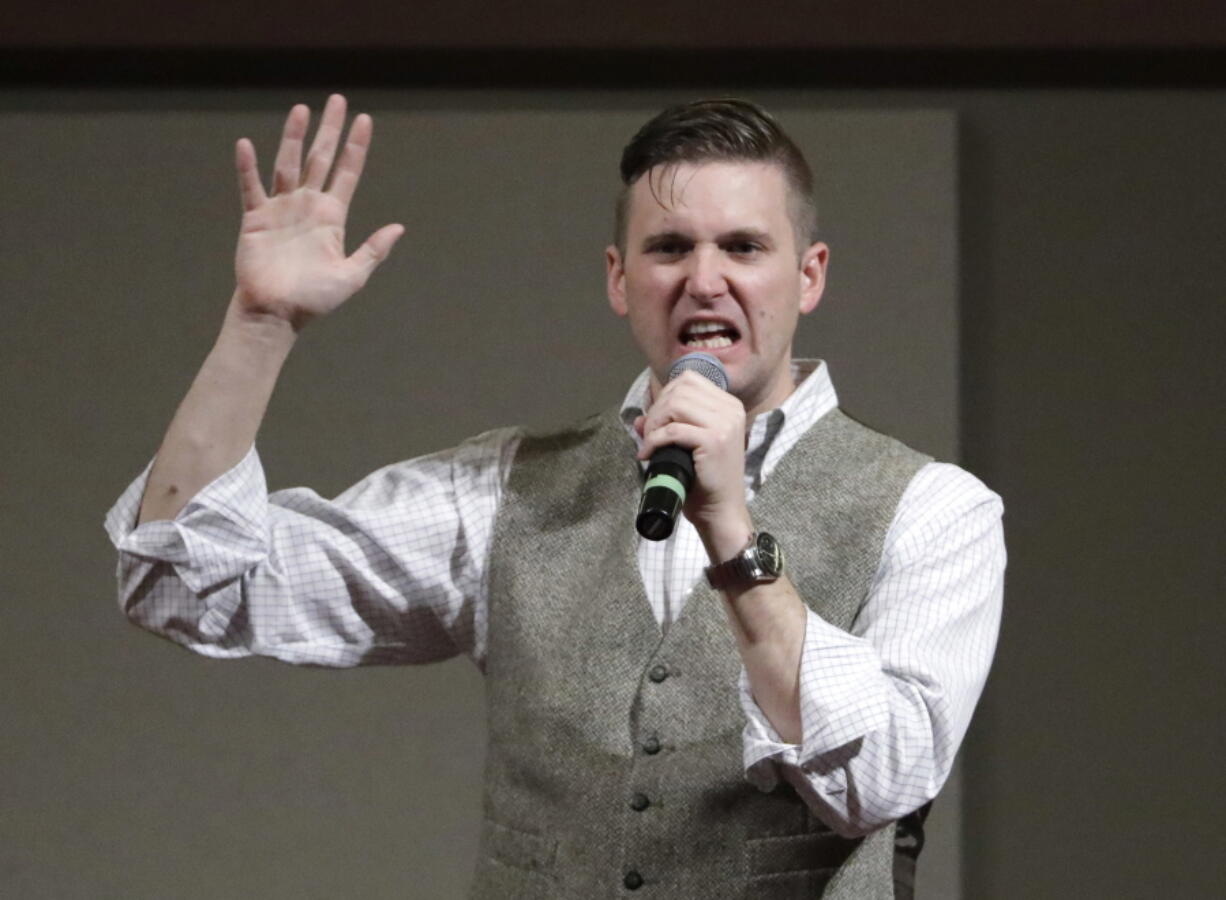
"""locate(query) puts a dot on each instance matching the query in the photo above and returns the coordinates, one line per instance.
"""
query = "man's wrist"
(726, 535)
(267, 333)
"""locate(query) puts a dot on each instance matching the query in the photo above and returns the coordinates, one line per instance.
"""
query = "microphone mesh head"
(705, 365)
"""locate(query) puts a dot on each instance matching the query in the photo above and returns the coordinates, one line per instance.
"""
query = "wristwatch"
(758, 563)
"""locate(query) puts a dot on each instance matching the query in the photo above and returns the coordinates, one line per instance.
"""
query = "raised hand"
(291, 262)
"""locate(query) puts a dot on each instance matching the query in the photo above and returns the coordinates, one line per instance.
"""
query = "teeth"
(721, 335)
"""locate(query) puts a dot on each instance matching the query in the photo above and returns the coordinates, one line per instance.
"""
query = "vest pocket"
(789, 866)
(518, 849)
(788, 885)
(799, 854)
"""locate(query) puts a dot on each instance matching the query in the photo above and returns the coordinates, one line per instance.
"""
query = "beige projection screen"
(133, 769)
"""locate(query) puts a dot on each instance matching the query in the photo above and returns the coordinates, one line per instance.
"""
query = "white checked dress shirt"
(394, 571)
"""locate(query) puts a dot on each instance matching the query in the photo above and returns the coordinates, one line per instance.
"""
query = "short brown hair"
(724, 131)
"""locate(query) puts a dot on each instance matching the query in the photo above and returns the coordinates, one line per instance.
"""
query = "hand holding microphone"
(688, 424)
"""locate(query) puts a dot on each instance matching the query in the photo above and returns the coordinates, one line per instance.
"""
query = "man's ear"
(813, 276)
(615, 279)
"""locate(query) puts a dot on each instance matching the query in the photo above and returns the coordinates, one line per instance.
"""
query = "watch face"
(770, 554)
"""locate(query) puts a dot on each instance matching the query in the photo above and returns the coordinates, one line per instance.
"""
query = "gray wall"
(1092, 400)
(133, 769)
(1093, 326)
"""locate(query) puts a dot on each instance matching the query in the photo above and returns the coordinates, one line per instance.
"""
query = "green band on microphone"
(666, 481)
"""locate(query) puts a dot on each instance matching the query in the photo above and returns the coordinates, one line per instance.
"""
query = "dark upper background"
(669, 24)
(1092, 139)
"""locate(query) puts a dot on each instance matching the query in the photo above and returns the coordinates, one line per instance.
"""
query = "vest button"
(651, 745)
(639, 802)
(658, 673)
(633, 880)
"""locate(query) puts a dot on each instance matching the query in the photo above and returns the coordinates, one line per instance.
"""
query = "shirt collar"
(772, 433)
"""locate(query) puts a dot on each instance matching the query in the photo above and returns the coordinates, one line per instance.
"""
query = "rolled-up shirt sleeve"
(391, 571)
(884, 708)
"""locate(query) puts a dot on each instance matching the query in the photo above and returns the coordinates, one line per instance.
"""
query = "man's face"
(712, 265)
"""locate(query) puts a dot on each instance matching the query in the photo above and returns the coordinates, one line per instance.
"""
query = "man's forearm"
(217, 421)
(768, 621)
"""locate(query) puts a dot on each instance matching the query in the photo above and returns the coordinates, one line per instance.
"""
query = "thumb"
(376, 249)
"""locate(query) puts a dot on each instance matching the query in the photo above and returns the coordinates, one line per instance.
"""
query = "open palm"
(291, 260)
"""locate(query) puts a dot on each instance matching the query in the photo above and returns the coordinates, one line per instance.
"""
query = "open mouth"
(709, 335)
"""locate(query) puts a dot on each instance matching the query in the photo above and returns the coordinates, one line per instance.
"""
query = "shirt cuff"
(843, 696)
(218, 535)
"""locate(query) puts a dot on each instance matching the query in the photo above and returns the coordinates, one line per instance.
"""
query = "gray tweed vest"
(614, 766)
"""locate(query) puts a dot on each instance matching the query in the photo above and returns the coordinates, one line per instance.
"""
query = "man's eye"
(669, 248)
(744, 248)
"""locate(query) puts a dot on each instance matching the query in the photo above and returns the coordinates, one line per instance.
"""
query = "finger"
(353, 159)
(682, 402)
(681, 434)
(689, 380)
(289, 154)
(692, 381)
(376, 249)
(699, 397)
(248, 174)
(323, 148)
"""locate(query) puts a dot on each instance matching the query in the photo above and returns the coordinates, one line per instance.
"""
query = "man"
(682, 718)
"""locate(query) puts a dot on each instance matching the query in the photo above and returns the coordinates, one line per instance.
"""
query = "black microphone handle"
(669, 478)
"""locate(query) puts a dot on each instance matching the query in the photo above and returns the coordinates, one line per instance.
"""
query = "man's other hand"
(291, 262)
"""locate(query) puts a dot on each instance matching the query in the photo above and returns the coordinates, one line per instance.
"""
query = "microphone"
(671, 470)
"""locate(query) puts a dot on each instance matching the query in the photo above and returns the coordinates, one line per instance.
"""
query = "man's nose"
(705, 279)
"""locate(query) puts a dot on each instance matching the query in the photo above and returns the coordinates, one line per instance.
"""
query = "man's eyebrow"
(666, 236)
(737, 235)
